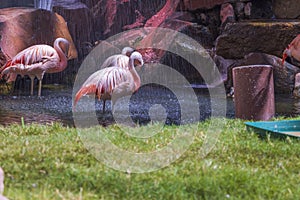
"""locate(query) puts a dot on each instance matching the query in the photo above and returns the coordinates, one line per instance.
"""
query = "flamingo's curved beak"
(142, 63)
(139, 65)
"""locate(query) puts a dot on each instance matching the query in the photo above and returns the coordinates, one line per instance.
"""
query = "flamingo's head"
(63, 44)
(127, 51)
(137, 59)
(286, 53)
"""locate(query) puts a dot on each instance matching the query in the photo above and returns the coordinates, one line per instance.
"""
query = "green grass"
(51, 162)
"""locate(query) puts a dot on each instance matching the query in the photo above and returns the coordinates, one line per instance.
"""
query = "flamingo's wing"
(123, 62)
(28, 57)
(109, 62)
(119, 60)
(33, 54)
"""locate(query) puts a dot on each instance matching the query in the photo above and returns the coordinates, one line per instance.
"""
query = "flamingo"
(1, 181)
(3, 197)
(37, 60)
(120, 60)
(292, 50)
(113, 80)
(2, 185)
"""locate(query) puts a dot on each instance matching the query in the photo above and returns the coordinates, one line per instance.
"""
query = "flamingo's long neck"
(63, 61)
(136, 77)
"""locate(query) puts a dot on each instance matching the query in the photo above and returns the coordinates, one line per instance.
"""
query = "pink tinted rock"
(247, 9)
(168, 9)
(227, 13)
(114, 16)
(111, 7)
(138, 23)
(193, 30)
(184, 16)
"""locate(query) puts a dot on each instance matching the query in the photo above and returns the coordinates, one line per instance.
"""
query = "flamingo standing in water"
(293, 50)
(37, 60)
(113, 81)
(120, 60)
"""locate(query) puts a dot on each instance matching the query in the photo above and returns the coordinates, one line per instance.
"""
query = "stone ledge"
(240, 39)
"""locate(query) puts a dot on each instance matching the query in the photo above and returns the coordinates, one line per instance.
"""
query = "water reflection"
(53, 106)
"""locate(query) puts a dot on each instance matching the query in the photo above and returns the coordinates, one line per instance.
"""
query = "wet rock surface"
(284, 75)
(240, 39)
(286, 9)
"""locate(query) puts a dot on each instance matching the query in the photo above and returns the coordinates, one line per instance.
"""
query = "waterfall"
(43, 4)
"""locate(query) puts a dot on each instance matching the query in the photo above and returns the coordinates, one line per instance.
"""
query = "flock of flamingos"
(117, 75)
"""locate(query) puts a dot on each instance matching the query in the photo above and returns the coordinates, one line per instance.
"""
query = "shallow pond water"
(55, 105)
(52, 106)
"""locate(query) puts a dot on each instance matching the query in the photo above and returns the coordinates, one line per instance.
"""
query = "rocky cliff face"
(230, 29)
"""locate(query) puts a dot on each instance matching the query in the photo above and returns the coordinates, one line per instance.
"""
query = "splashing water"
(43, 4)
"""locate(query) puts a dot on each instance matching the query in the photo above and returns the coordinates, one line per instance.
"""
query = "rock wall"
(240, 39)
(229, 29)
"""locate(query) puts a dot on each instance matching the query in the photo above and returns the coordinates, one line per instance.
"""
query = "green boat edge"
(275, 129)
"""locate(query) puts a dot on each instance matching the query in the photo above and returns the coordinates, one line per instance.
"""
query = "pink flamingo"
(120, 60)
(112, 81)
(2, 185)
(293, 50)
(1, 181)
(37, 60)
